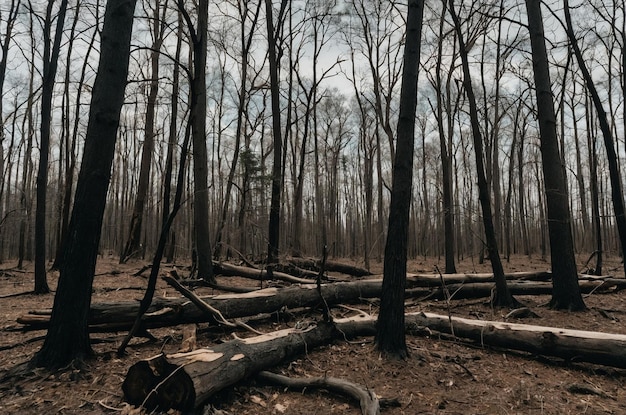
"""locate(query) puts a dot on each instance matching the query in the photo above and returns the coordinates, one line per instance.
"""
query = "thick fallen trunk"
(576, 345)
(173, 311)
(185, 381)
(119, 316)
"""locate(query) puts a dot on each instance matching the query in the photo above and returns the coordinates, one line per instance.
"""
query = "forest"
(404, 151)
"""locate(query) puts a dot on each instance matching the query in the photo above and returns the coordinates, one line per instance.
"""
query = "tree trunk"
(50, 61)
(566, 294)
(614, 173)
(595, 199)
(446, 158)
(390, 336)
(68, 336)
(576, 345)
(200, 156)
(274, 220)
(503, 297)
(184, 381)
(163, 312)
(132, 248)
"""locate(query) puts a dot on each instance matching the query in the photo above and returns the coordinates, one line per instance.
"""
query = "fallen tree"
(113, 316)
(117, 316)
(575, 345)
(186, 380)
(329, 265)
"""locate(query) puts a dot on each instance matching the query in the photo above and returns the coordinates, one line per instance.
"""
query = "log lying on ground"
(331, 266)
(186, 380)
(576, 345)
(118, 316)
(257, 274)
(434, 280)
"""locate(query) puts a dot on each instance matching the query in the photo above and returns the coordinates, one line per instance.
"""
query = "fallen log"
(184, 381)
(119, 316)
(574, 345)
(231, 270)
(332, 266)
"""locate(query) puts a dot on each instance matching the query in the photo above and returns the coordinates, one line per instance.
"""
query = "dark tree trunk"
(198, 128)
(132, 248)
(70, 158)
(614, 174)
(595, 199)
(390, 334)
(503, 297)
(566, 294)
(68, 337)
(274, 221)
(50, 60)
(446, 160)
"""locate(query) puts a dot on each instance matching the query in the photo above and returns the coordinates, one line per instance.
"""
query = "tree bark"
(503, 297)
(164, 312)
(274, 220)
(185, 381)
(68, 336)
(614, 173)
(573, 345)
(566, 294)
(198, 126)
(50, 61)
(390, 336)
(132, 248)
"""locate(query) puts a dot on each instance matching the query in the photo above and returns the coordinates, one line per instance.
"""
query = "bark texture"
(68, 336)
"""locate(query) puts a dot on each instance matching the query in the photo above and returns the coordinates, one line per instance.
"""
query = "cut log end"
(155, 383)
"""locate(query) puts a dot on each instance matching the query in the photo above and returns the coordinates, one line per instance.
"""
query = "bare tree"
(50, 60)
(132, 246)
(503, 297)
(566, 292)
(277, 170)
(67, 339)
(390, 335)
(609, 145)
(198, 127)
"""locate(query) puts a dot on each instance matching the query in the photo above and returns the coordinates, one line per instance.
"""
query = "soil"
(441, 376)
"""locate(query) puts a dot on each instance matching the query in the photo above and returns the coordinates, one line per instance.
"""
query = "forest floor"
(440, 377)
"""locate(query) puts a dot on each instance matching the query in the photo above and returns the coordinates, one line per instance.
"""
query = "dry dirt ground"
(440, 377)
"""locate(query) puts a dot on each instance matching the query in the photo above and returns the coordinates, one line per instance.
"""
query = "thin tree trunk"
(446, 158)
(50, 60)
(503, 297)
(274, 219)
(198, 125)
(609, 145)
(132, 247)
